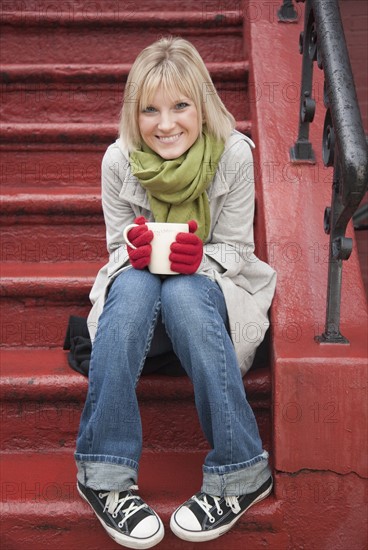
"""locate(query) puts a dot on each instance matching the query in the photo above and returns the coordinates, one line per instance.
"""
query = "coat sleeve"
(247, 283)
(230, 251)
(231, 241)
(117, 212)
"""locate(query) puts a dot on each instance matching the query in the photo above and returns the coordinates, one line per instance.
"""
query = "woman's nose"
(166, 122)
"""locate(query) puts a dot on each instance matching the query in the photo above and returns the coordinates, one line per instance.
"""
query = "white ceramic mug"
(163, 236)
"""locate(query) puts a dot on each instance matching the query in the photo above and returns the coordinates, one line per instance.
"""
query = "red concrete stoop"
(64, 67)
(63, 75)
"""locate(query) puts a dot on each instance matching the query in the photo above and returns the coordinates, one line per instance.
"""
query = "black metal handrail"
(344, 143)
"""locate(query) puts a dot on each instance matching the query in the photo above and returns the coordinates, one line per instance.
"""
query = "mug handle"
(125, 234)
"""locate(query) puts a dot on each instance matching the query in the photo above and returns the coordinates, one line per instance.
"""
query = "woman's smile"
(169, 139)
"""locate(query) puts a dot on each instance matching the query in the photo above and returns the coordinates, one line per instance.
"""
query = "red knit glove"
(141, 238)
(186, 251)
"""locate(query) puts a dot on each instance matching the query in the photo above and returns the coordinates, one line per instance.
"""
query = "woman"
(178, 159)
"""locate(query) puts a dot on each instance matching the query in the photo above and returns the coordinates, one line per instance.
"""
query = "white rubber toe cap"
(187, 520)
(146, 528)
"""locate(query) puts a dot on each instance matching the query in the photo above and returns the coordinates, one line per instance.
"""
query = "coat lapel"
(133, 192)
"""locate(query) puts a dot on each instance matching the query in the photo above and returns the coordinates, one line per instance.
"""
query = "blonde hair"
(175, 64)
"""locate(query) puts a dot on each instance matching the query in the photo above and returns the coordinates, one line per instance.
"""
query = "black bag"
(78, 342)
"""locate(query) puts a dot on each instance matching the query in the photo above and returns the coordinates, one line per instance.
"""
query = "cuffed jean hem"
(236, 479)
(103, 475)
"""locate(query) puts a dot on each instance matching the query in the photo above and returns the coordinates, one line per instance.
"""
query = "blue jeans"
(194, 315)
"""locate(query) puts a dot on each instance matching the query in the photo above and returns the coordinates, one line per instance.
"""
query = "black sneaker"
(125, 516)
(205, 517)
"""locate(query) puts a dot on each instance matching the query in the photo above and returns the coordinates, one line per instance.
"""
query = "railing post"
(339, 250)
(302, 150)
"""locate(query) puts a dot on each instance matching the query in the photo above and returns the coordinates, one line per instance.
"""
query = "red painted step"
(37, 300)
(93, 93)
(41, 508)
(90, 9)
(56, 36)
(20, 204)
(42, 400)
(33, 222)
(58, 154)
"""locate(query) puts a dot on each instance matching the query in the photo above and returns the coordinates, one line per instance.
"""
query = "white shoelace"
(232, 502)
(114, 504)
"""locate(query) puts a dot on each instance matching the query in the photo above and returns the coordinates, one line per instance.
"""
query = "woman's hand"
(186, 251)
(140, 237)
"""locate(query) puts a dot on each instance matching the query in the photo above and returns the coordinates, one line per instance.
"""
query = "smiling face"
(169, 126)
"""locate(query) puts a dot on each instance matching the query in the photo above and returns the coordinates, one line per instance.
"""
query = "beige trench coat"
(248, 284)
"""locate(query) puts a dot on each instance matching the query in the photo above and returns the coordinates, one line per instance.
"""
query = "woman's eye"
(149, 109)
(182, 105)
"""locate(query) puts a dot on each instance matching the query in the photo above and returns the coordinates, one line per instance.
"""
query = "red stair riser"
(76, 526)
(60, 44)
(64, 156)
(129, 15)
(49, 242)
(45, 166)
(88, 102)
(40, 426)
(86, 532)
(91, 10)
(38, 322)
(27, 375)
(41, 321)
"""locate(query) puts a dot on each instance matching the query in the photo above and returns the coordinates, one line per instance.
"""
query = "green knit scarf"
(176, 188)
